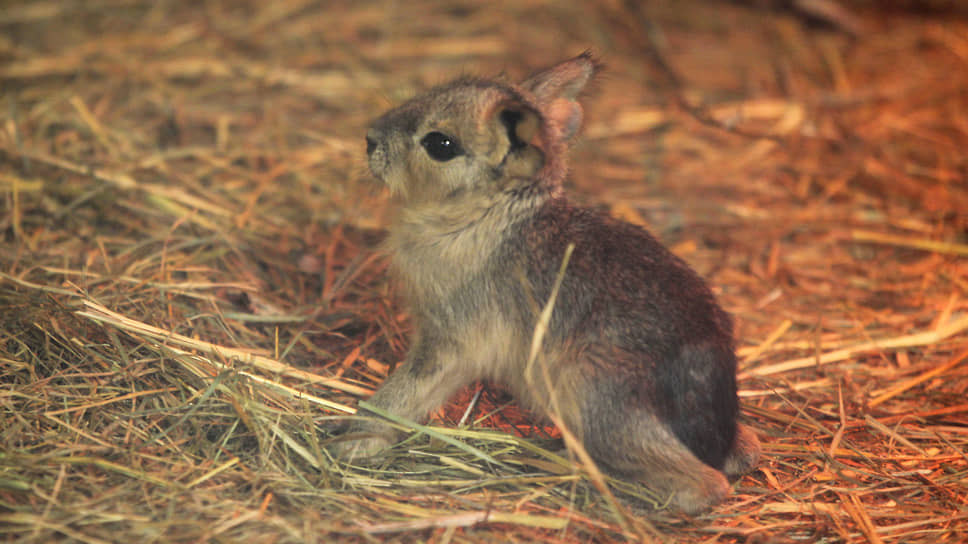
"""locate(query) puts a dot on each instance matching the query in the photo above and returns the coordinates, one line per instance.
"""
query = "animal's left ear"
(566, 79)
(523, 156)
(557, 89)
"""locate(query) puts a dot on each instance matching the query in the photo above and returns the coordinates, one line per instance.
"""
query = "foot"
(360, 444)
(699, 495)
(744, 454)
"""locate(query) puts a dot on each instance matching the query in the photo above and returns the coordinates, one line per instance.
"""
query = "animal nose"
(370, 144)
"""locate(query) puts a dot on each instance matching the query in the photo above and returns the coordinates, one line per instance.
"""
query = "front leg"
(432, 373)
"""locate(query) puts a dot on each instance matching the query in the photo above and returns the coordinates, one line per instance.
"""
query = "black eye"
(440, 146)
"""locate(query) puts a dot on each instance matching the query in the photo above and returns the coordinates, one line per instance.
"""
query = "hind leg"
(645, 450)
(744, 453)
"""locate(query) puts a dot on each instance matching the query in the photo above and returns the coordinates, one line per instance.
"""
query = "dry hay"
(191, 300)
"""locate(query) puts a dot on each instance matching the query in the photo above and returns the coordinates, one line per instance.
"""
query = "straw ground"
(191, 300)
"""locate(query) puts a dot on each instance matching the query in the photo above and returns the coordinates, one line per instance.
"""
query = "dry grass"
(190, 301)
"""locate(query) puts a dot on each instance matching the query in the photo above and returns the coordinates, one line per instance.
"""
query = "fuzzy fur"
(638, 360)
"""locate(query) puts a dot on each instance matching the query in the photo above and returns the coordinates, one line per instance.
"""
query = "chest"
(436, 253)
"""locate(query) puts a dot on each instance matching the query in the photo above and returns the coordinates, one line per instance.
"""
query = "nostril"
(370, 145)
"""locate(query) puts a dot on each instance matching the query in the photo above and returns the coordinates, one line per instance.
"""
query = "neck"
(435, 247)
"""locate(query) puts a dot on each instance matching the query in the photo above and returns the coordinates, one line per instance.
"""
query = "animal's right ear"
(557, 89)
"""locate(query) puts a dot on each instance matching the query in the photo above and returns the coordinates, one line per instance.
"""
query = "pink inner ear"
(566, 114)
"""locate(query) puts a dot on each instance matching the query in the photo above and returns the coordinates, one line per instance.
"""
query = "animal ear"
(566, 114)
(557, 89)
(563, 80)
(522, 124)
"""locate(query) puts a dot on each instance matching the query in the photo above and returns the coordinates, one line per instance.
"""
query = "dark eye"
(440, 146)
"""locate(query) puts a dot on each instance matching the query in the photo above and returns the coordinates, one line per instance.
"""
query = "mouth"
(378, 166)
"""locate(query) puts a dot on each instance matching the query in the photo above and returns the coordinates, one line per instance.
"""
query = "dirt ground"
(192, 297)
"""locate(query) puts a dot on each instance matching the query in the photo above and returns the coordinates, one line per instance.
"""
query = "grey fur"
(639, 355)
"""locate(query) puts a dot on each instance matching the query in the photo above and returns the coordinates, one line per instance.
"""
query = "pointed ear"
(557, 89)
(563, 80)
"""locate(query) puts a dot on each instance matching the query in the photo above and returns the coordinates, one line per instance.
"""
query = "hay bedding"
(191, 299)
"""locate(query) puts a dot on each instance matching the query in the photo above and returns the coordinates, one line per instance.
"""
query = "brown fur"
(638, 359)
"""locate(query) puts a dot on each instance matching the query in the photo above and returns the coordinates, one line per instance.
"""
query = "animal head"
(481, 135)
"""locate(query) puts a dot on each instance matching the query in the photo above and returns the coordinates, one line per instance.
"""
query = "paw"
(360, 445)
(701, 495)
(744, 454)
